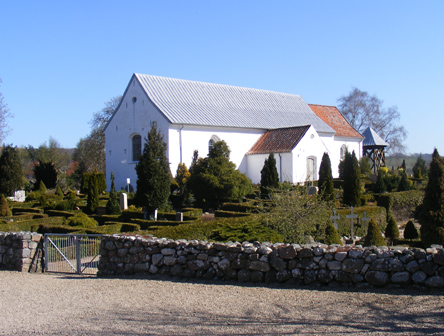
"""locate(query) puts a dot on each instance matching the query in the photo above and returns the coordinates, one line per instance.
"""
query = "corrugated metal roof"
(207, 104)
(334, 118)
(281, 140)
(372, 138)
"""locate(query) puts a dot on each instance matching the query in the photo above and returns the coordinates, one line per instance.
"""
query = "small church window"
(134, 99)
(213, 139)
(343, 151)
(137, 147)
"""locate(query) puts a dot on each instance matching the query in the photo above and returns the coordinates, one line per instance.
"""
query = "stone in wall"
(17, 250)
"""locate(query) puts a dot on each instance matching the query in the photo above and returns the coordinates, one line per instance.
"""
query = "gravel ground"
(43, 304)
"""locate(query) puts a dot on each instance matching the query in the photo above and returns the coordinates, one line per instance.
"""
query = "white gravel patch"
(43, 304)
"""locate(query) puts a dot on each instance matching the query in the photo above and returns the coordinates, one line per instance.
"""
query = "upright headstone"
(123, 201)
(334, 218)
(352, 217)
(19, 196)
(179, 216)
(312, 190)
(365, 219)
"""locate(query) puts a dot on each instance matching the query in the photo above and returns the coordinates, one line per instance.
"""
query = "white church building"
(193, 115)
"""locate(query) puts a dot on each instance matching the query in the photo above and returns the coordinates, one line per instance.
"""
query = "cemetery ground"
(42, 304)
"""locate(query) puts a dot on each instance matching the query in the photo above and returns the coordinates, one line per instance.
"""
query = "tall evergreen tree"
(410, 231)
(269, 175)
(403, 182)
(153, 173)
(420, 168)
(352, 180)
(11, 173)
(325, 183)
(46, 172)
(380, 185)
(431, 215)
(93, 194)
(113, 206)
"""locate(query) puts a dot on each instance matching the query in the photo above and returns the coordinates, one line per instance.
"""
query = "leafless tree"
(363, 110)
(4, 115)
(90, 150)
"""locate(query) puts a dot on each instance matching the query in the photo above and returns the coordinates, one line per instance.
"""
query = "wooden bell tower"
(374, 148)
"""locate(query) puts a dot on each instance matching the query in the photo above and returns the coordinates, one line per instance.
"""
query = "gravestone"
(19, 196)
(334, 218)
(352, 217)
(179, 216)
(365, 220)
(123, 201)
(312, 190)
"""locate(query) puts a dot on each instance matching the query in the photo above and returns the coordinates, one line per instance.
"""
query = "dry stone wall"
(266, 262)
(17, 250)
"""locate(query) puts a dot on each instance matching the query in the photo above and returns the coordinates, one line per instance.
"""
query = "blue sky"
(61, 61)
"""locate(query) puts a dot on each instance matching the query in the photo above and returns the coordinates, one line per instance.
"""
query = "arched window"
(137, 147)
(213, 139)
(343, 151)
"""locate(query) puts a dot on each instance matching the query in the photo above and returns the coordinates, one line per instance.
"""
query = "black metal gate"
(72, 253)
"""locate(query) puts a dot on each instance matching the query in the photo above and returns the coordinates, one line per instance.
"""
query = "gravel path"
(42, 304)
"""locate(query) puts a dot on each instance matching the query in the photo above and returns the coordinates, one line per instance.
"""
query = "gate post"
(46, 252)
(78, 240)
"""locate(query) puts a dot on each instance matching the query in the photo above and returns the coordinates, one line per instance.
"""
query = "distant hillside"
(395, 160)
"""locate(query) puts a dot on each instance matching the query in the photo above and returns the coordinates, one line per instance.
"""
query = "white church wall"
(184, 140)
(134, 117)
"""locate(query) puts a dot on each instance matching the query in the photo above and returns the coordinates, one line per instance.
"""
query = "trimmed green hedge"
(30, 210)
(402, 204)
(230, 214)
(59, 213)
(31, 225)
(240, 207)
(194, 212)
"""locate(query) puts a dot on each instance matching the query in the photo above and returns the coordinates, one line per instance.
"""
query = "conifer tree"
(46, 172)
(325, 183)
(410, 231)
(269, 175)
(420, 168)
(113, 206)
(93, 195)
(431, 215)
(392, 230)
(42, 187)
(380, 185)
(215, 178)
(153, 173)
(374, 235)
(403, 182)
(4, 208)
(352, 181)
(59, 191)
(331, 235)
(11, 173)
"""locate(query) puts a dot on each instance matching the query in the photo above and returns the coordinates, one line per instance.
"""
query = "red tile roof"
(281, 140)
(333, 118)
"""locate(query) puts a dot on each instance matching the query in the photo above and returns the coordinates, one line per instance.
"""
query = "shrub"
(4, 208)
(59, 213)
(224, 214)
(42, 188)
(192, 212)
(352, 180)
(374, 235)
(126, 227)
(80, 219)
(325, 183)
(132, 212)
(392, 230)
(93, 194)
(113, 206)
(331, 235)
(410, 231)
(431, 215)
(269, 176)
(59, 191)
